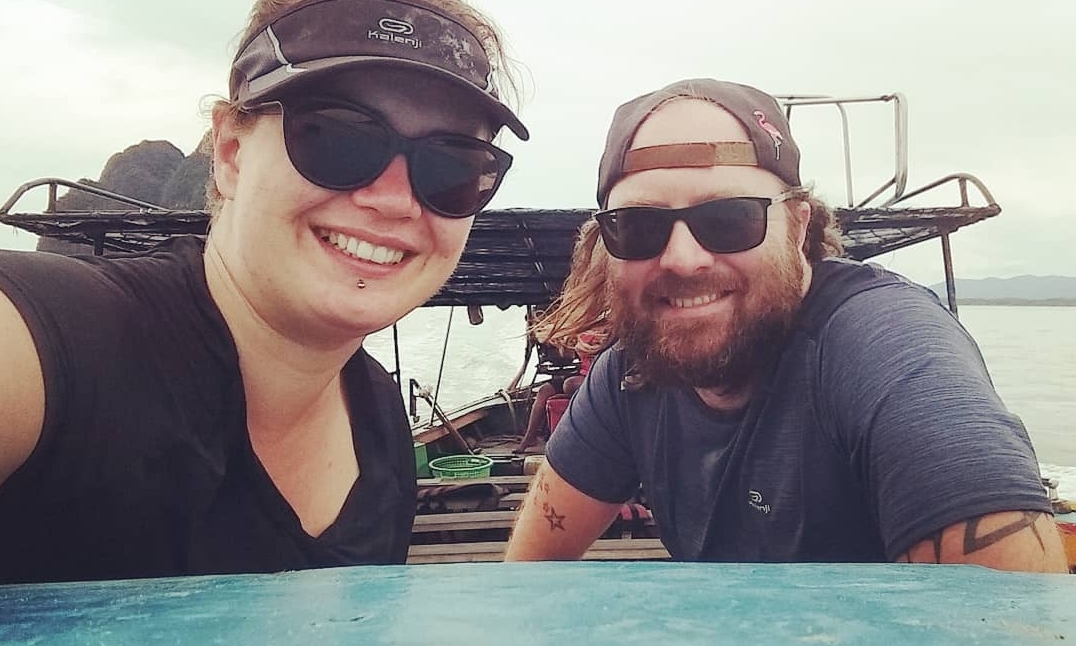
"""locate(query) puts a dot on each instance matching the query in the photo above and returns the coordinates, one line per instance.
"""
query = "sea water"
(1031, 355)
(1030, 352)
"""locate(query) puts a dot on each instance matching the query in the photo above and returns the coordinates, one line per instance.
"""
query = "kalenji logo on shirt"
(754, 498)
(772, 130)
(395, 31)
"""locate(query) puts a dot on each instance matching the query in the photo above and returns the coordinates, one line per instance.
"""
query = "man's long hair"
(577, 319)
(823, 232)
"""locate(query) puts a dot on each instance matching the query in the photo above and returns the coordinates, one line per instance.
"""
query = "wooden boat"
(520, 257)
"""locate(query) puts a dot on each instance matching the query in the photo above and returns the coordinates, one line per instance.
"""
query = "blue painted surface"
(556, 603)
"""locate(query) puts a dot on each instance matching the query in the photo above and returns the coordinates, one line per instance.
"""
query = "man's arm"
(932, 440)
(557, 521)
(22, 390)
(1010, 540)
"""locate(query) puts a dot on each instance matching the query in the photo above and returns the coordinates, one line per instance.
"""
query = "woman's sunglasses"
(727, 225)
(342, 146)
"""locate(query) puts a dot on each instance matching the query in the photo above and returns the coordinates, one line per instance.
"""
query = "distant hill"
(152, 171)
(1019, 290)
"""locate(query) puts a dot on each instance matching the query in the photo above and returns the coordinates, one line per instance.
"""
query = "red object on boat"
(554, 409)
(1067, 524)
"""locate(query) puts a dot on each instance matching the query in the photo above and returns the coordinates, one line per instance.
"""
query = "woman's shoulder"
(77, 277)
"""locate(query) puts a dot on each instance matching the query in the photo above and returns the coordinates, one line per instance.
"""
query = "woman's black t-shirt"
(144, 466)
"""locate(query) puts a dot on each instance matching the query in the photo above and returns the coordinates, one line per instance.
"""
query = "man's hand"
(1009, 540)
(557, 521)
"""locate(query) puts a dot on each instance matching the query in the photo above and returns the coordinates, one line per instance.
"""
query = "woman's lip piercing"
(361, 284)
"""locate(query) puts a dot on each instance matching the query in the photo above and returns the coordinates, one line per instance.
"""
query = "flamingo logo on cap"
(772, 130)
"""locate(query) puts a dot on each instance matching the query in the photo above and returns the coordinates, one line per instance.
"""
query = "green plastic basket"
(460, 467)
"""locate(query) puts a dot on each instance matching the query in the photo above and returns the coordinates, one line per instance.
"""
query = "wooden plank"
(464, 520)
(513, 483)
(438, 431)
(429, 435)
(513, 500)
(612, 549)
(501, 518)
(487, 552)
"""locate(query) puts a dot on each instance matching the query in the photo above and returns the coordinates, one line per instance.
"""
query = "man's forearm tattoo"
(556, 521)
(936, 540)
(542, 486)
(936, 543)
(973, 542)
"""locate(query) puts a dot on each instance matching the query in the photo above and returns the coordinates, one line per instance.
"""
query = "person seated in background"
(575, 325)
(776, 402)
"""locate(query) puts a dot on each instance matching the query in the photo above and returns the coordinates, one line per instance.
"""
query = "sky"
(990, 87)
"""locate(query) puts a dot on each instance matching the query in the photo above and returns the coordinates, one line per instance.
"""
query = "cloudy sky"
(990, 85)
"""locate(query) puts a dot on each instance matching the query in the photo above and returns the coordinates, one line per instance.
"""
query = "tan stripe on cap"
(691, 155)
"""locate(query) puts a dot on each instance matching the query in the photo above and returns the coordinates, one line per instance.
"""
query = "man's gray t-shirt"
(877, 427)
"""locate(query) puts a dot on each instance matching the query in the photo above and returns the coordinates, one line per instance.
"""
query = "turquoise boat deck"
(621, 603)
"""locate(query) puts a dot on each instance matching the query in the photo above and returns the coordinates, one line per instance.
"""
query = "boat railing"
(898, 182)
(142, 224)
(889, 205)
(53, 184)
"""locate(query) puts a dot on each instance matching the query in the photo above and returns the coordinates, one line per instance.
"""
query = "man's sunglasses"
(727, 225)
(342, 146)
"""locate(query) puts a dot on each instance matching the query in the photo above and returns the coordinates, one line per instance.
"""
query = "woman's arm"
(22, 390)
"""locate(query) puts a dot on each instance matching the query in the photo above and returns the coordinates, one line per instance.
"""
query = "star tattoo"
(556, 521)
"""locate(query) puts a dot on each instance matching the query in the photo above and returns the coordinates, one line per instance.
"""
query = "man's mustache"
(670, 285)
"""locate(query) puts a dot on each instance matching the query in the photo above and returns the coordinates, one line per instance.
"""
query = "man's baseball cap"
(771, 148)
(317, 37)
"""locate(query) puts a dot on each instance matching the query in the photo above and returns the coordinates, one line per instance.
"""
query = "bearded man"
(775, 402)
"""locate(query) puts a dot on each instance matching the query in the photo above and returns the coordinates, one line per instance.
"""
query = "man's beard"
(727, 353)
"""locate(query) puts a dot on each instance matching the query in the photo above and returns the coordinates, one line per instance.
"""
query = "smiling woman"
(197, 410)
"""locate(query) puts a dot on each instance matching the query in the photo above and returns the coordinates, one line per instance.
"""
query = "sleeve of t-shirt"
(60, 298)
(36, 283)
(591, 447)
(908, 393)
